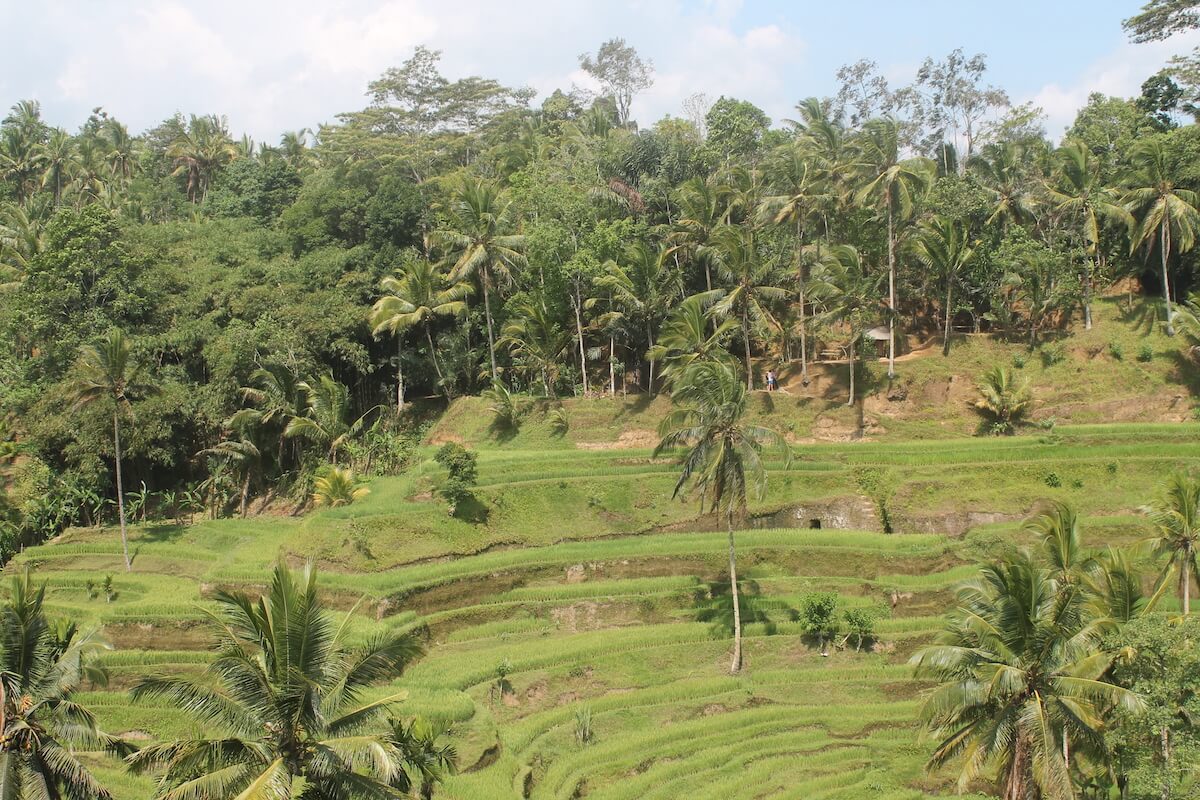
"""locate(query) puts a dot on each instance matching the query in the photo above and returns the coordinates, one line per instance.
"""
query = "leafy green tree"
(942, 246)
(1166, 211)
(462, 473)
(1078, 195)
(43, 663)
(108, 375)
(417, 297)
(286, 696)
(722, 455)
(894, 186)
(819, 617)
(621, 72)
(1176, 517)
(477, 245)
(1021, 674)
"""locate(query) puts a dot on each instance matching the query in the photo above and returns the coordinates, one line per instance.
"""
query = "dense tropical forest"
(202, 329)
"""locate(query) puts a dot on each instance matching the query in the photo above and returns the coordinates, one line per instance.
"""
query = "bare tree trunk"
(120, 485)
(487, 311)
(1166, 756)
(582, 351)
(650, 340)
(1164, 247)
(612, 366)
(433, 354)
(1185, 580)
(803, 320)
(736, 665)
(891, 296)
(946, 335)
(1087, 297)
(399, 376)
(746, 338)
(245, 491)
(850, 401)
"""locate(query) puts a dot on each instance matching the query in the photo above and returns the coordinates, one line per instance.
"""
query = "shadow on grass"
(714, 604)
(161, 533)
(472, 510)
(1185, 370)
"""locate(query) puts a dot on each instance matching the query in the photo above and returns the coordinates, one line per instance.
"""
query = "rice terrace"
(497, 442)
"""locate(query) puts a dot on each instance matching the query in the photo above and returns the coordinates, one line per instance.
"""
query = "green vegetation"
(554, 323)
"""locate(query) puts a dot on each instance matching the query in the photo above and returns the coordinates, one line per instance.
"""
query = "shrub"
(819, 617)
(1052, 479)
(1116, 350)
(1003, 400)
(462, 470)
(1145, 354)
(1053, 354)
(1019, 361)
(560, 423)
(860, 623)
(507, 408)
(583, 726)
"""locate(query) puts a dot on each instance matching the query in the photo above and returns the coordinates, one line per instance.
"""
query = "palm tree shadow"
(503, 431)
(1185, 371)
(713, 603)
(767, 400)
(161, 533)
(1142, 316)
(637, 404)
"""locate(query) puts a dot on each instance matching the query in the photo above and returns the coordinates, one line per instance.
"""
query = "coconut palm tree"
(893, 185)
(21, 238)
(641, 288)
(337, 487)
(326, 418)
(941, 246)
(477, 245)
(536, 342)
(200, 152)
(1021, 675)
(246, 460)
(751, 286)
(58, 160)
(688, 337)
(1002, 169)
(107, 374)
(427, 758)
(703, 208)
(1176, 519)
(1166, 211)
(722, 455)
(276, 395)
(1004, 399)
(1077, 194)
(43, 663)
(417, 297)
(849, 296)
(285, 695)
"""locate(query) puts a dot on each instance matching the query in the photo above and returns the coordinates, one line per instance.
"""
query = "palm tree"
(1176, 519)
(536, 342)
(688, 337)
(285, 693)
(337, 487)
(893, 185)
(417, 297)
(1167, 211)
(42, 665)
(641, 287)
(751, 289)
(1022, 675)
(427, 759)
(849, 296)
(21, 239)
(1003, 171)
(475, 242)
(244, 456)
(1078, 194)
(704, 207)
(276, 395)
(107, 373)
(721, 453)
(326, 418)
(807, 192)
(1004, 399)
(200, 152)
(941, 246)
(58, 161)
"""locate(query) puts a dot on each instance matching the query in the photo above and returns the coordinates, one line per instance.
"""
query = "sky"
(272, 66)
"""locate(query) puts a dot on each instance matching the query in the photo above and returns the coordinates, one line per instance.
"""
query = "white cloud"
(1119, 73)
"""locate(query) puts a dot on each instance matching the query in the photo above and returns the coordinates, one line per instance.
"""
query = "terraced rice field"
(577, 606)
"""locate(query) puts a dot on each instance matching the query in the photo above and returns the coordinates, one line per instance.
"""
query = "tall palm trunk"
(746, 338)
(1164, 248)
(946, 335)
(736, 665)
(120, 486)
(612, 366)
(579, 331)
(850, 401)
(891, 295)
(399, 378)
(487, 312)
(803, 322)
(1185, 579)
(650, 341)
(245, 491)
(433, 354)
(1087, 296)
